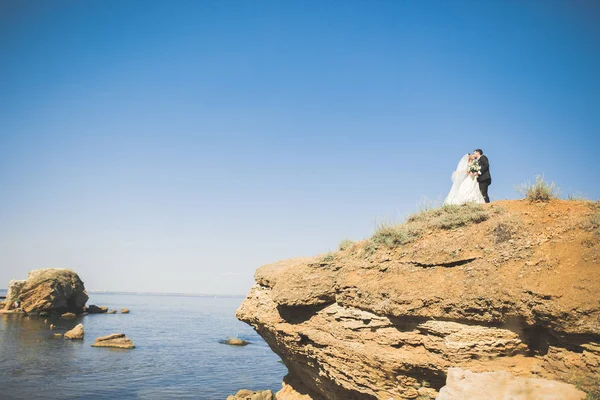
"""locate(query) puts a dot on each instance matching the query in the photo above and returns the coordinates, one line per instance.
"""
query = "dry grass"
(593, 223)
(328, 257)
(394, 235)
(506, 226)
(446, 217)
(576, 197)
(450, 216)
(540, 192)
(346, 244)
(501, 233)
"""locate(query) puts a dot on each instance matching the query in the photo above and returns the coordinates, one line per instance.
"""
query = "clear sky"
(176, 146)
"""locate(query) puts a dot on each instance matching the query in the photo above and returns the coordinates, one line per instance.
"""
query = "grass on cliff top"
(450, 216)
(346, 244)
(593, 224)
(445, 218)
(539, 192)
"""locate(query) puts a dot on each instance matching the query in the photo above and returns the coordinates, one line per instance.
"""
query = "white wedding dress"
(465, 188)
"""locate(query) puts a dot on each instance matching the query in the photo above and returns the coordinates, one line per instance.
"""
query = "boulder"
(13, 299)
(94, 309)
(250, 395)
(124, 310)
(501, 385)
(47, 290)
(111, 312)
(235, 342)
(68, 315)
(76, 333)
(118, 340)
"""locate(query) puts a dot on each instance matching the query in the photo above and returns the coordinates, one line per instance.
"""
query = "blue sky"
(177, 146)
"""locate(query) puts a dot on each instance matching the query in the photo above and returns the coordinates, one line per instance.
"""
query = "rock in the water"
(501, 385)
(250, 395)
(235, 342)
(111, 312)
(68, 315)
(118, 340)
(57, 335)
(48, 290)
(124, 310)
(94, 309)
(13, 295)
(76, 333)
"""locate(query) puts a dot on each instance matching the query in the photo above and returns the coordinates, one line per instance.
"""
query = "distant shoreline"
(158, 294)
(165, 294)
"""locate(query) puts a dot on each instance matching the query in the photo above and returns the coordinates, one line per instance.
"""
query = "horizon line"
(158, 293)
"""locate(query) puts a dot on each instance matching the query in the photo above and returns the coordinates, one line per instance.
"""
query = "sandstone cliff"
(511, 286)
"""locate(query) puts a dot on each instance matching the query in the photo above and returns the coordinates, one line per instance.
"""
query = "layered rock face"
(48, 290)
(516, 291)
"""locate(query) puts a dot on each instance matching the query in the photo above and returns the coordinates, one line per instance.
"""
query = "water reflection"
(177, 353)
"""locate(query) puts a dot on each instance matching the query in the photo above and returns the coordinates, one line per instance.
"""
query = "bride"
(465, 187)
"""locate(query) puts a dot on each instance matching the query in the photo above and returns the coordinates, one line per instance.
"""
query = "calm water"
(177, 354)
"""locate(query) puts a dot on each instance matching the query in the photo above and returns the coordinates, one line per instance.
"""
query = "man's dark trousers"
(483, 187)
(484, 178)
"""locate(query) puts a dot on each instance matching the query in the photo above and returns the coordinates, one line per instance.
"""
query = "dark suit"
(484, 179)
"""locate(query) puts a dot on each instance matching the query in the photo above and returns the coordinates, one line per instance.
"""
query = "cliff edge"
(509, 286)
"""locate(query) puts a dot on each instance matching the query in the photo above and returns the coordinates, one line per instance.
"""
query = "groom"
(484, 178)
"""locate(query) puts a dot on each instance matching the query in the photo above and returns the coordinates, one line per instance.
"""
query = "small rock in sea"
(124, 310)
(52, 327)
(44, 313)
(235, 342)
(118, 340)
(111, 312)
(58, 335)
(76, 333)
(94, 309)
(68, 315)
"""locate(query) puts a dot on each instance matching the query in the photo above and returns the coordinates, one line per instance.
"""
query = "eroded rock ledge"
(388, 323)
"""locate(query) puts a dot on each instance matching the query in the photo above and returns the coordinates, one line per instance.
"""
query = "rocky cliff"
(511, 286)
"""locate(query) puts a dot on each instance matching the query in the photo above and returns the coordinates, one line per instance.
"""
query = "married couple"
(471, 180)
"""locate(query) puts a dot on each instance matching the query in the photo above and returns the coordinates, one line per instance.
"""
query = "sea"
(178, 354)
